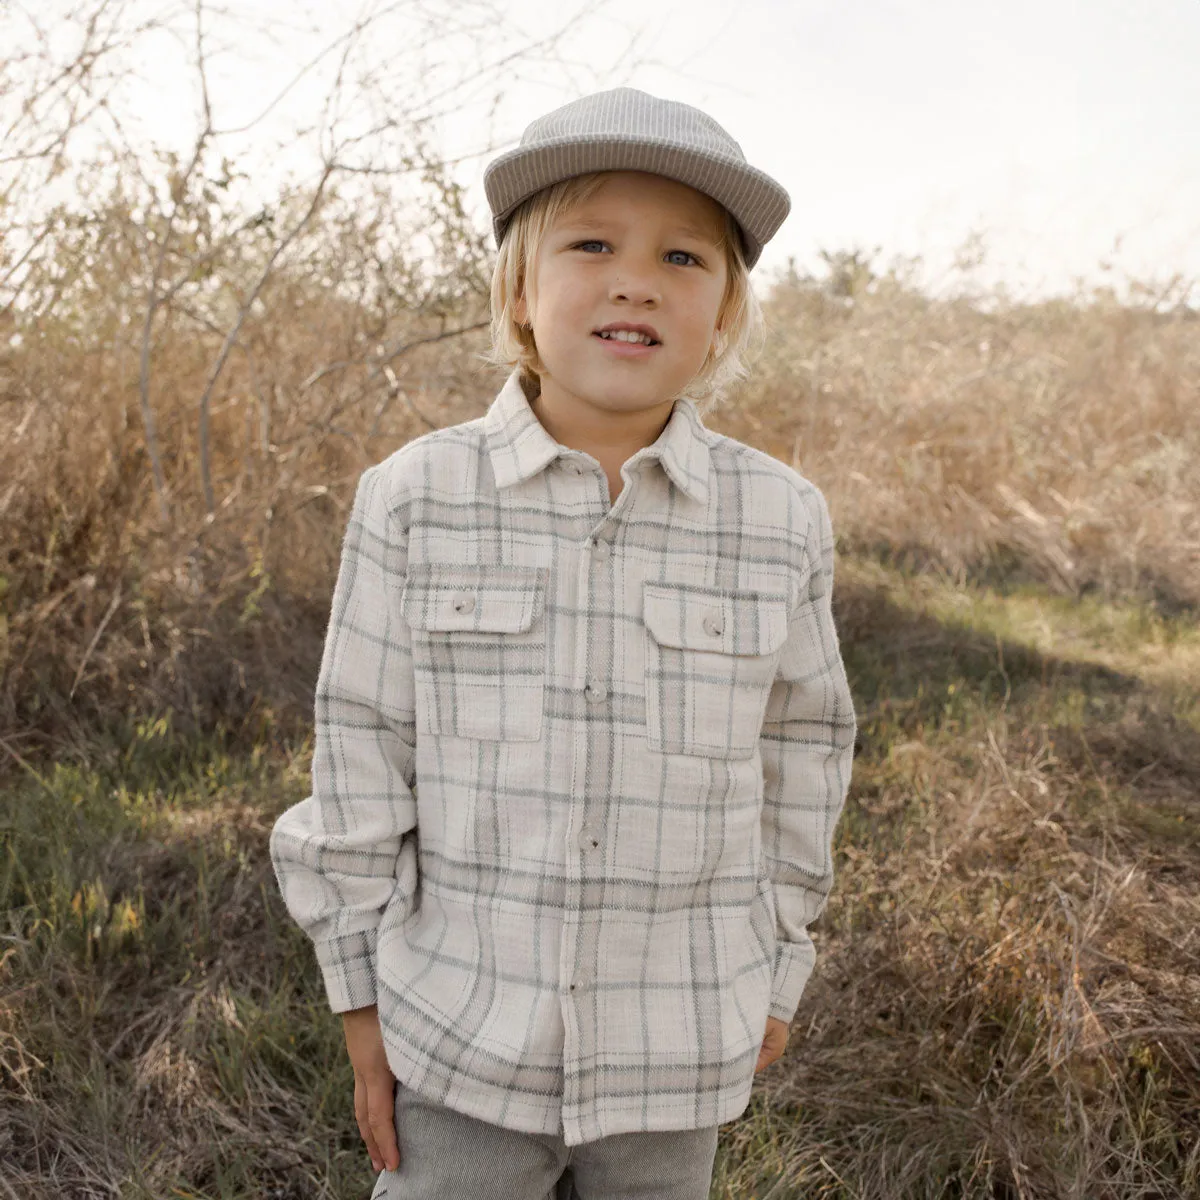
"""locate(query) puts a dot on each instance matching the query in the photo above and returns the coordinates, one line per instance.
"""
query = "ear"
(521, 309)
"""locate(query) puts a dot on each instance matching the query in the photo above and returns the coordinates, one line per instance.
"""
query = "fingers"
(374, 1087)
(773, 1044)
(363, 1120)
(381, 1095)
(765, 1059)
(375, 1114)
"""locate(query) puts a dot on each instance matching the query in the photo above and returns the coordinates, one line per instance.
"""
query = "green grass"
(164, 1032)
(1005, 1003)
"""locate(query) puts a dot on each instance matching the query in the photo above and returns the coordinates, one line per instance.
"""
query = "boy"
(582, 727)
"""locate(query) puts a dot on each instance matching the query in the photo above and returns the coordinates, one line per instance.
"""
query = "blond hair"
(740, 319)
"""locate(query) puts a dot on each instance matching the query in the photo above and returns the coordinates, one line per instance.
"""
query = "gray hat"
(628, 130)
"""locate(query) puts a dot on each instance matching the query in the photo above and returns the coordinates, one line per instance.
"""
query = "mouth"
(629, 335)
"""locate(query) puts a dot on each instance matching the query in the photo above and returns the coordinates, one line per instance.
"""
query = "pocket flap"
(442, 597)
(716, 619)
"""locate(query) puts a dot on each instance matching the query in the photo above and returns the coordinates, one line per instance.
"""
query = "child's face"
(641, 250)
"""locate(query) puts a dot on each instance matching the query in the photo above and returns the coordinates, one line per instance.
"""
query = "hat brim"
(757, 203)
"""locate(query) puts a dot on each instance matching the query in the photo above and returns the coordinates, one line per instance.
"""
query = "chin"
(630, 399)
(616, 394)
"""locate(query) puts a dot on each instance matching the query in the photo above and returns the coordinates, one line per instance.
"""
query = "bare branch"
(391, 355)
(232, 336)
(154, 300)
(110, 612)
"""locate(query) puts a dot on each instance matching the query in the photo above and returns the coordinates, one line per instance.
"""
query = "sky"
(1063, 134)
(1066, 132)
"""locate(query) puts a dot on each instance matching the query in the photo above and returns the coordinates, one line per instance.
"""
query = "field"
(1007, 998)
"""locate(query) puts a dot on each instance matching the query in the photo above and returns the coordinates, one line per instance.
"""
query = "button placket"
(594, 675)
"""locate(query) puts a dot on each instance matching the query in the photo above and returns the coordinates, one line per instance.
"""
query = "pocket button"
(464, 603)
(713, 626)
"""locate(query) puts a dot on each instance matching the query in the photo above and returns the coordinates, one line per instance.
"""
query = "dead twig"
(113, 605)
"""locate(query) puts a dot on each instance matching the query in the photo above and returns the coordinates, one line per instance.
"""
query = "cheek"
(702, 319)
(541, 296)
(562, 300)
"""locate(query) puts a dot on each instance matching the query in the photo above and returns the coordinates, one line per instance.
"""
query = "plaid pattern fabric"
(576, 772)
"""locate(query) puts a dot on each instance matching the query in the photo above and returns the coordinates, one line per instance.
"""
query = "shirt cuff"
(348, 965)
(793, 965)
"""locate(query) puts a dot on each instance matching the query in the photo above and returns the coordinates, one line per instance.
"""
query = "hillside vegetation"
(1006, 1001)
(1052, 444)
(200, 351)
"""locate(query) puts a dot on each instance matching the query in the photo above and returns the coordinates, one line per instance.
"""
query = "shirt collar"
(520, 446)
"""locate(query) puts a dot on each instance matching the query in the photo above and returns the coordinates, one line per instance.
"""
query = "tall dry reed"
(1053, 441)
(1056, 441)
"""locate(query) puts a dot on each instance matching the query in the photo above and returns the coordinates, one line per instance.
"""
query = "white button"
(596, 692)
(573, 467)
(601, 550)
(713, 626)
(464, 604)
(589, 839)
(580, 980)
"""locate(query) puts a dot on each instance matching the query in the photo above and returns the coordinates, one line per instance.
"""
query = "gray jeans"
(445, 1155)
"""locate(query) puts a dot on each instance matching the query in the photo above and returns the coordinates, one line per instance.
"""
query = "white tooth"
(627, 335)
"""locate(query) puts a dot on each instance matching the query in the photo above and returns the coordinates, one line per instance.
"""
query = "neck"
(607, 436)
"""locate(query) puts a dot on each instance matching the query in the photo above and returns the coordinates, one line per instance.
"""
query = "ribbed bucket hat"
(628, 130)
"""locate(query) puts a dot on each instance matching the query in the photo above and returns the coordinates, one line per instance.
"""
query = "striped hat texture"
(628, 130)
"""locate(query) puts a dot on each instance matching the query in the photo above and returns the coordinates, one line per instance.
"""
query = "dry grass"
(1005, 1005)
(1053, 441)
(110, 604)
(1045, 443)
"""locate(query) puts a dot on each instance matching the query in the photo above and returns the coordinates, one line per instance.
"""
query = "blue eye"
(590, 247)
(674, 255)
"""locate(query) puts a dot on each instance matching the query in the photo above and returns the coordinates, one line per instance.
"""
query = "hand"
(374, 1087)
(773, 1043)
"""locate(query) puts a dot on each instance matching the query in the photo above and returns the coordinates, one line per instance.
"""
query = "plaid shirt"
(577, 768)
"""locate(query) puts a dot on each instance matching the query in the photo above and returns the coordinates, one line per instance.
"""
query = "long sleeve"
(807, 747)
(340, 854)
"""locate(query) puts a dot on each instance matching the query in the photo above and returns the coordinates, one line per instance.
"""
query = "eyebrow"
(687, 230)
(702, 235)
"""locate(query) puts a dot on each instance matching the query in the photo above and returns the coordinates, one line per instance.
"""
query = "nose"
(632, 284)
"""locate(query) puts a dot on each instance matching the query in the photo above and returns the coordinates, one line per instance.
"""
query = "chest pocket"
(479, 649)
(711, 656)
